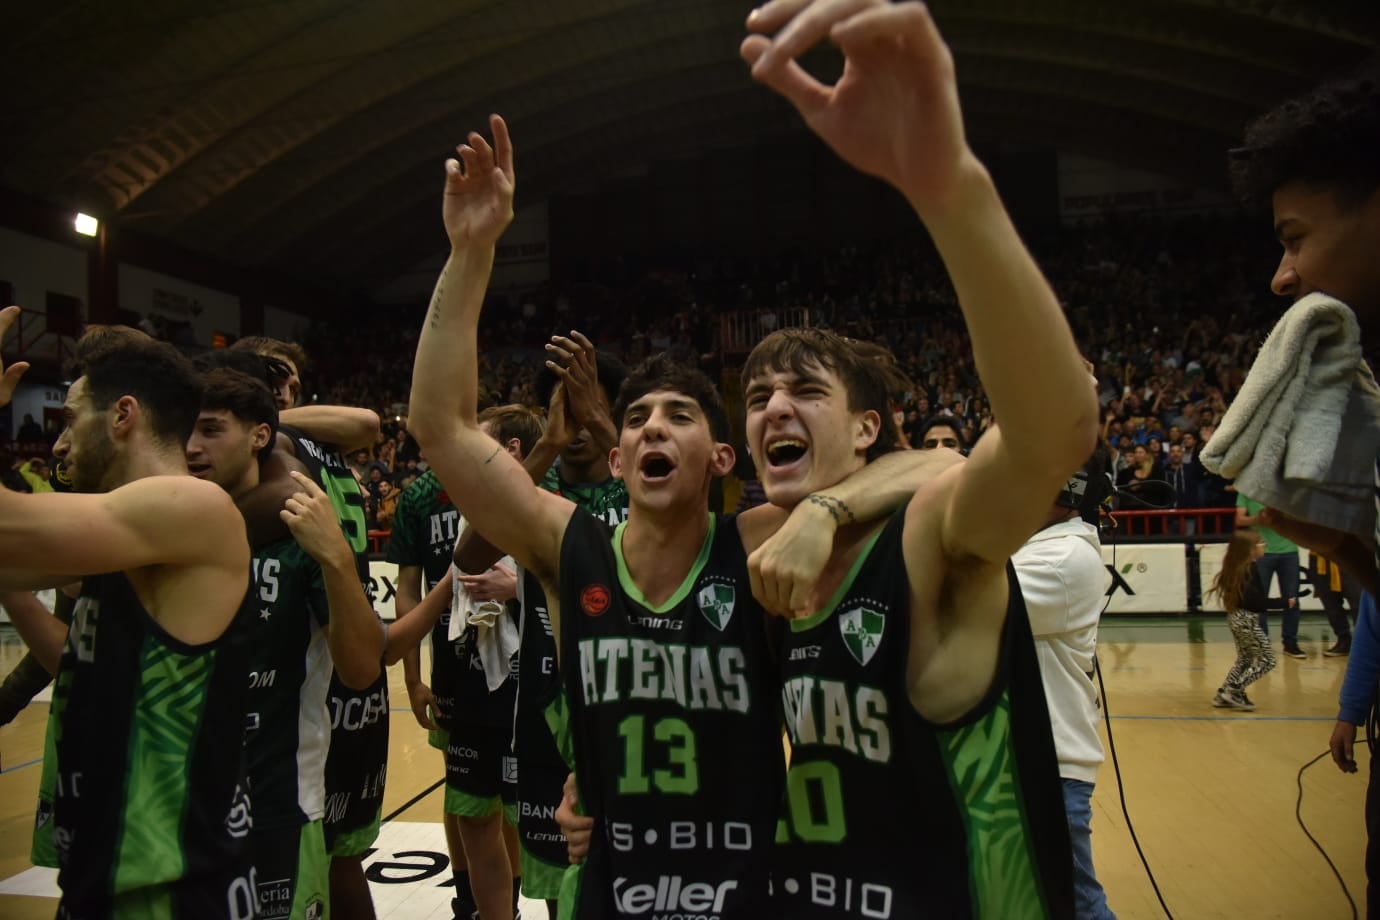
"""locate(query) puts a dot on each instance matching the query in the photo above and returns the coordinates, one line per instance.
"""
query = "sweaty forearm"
(445, 387)
(346, 427)
(355, 634)
(406, 633)
(883, 485)
(1023, 348)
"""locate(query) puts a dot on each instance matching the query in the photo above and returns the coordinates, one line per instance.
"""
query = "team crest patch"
(716, 603)
(862, 632)
(594, 600)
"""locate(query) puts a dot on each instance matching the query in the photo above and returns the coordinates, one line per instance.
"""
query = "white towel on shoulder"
(1302, 434)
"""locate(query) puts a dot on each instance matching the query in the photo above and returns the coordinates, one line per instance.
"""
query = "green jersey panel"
(150, 803)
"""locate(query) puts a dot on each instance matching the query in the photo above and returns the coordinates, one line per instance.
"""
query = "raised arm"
(788, 550)
(895, 114)
(491, 489)
(151, 521)
(346, 427)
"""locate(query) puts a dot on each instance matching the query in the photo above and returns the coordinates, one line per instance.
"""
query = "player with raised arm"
(923, 778)
(669, 689)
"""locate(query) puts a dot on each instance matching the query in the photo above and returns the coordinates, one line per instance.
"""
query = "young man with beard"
(471, 726)
(357, 765)
(1313, 159)
(310, 616)
(152, 672)
(923, 779)
(668, 707)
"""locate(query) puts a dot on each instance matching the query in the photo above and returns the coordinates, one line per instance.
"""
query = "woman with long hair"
(1238, 587)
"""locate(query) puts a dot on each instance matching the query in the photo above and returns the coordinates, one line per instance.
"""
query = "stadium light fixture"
(86, 224)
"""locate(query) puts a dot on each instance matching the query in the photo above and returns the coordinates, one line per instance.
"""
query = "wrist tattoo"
(837, 508)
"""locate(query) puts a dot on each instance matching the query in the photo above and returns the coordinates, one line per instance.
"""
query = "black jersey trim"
(168, 639)
(634, 593)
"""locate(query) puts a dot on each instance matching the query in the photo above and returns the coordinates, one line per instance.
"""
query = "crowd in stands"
(1170, 313)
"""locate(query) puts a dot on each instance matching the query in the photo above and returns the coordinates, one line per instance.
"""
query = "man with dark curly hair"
(1316, 161)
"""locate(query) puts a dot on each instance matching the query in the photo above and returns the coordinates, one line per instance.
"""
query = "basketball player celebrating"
(152, 672)
(311, 614)
(669, 695)
(471, 726)
(357, 764)
(923, 780)
(582, 385)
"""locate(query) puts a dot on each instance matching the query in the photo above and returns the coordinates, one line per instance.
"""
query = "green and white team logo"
(862, 632)
(716, 603)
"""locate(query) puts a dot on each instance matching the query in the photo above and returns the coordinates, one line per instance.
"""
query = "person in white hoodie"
(1064, 582)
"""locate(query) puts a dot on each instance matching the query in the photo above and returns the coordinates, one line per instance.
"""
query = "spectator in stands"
(10, 477)
(36, 473)
(942, 431)
(386, 505)
(29, 431)
(406, 450)
(1183, 487)
(359, 463)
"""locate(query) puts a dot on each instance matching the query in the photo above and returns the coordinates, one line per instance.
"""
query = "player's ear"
(616, 463)
(722, 459)
(866, 429)
(261, 435)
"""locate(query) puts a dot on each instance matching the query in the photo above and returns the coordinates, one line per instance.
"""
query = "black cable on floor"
(415, 799)
(1121, 789)
(1298, 813)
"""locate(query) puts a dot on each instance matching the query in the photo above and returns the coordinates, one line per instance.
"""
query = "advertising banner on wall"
(383, 588)
(1146, 578)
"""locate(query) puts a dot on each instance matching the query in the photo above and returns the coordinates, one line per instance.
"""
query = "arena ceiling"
(305, 136)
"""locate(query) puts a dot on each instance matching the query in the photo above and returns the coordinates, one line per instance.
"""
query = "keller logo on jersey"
(862, 632)
(716, 603)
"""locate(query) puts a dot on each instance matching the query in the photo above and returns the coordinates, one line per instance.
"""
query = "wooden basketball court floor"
(1211, 792)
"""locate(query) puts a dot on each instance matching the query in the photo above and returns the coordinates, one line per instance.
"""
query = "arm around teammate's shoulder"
(158, 520)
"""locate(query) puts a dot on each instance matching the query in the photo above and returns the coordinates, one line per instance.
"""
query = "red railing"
(741, 330)
(1185, 522)
(378, 540)
(37, 335)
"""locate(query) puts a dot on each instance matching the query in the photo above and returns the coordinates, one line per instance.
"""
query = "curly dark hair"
(662, 373)
(1329, 136)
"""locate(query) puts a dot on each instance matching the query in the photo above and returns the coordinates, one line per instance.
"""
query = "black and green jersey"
(325, 464)
(150, 809)
(607, 500)
(425, 529)
(542, 769)
(357, 763)
(289, 728)
(673, 719)
(890, 816)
